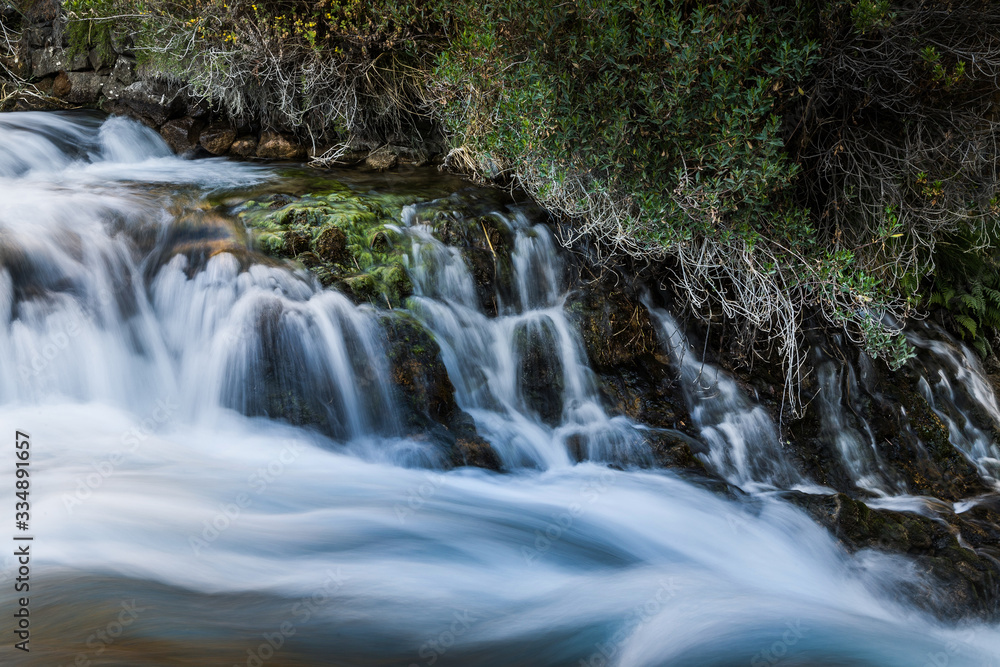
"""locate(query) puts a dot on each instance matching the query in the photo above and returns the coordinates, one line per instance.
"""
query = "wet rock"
(331, 245)
(297, 242)
(153, 102)
(181, 134)
(676, 449)
(965, 582)
(244, 146)
(475, 452)
(279, 146)
(427, 395)
(217, 139)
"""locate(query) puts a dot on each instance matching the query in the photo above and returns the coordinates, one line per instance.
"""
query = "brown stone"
(217, 139)
(181, 134)
(244, 147)
(278, 146)
(61, 86)
(382, 160)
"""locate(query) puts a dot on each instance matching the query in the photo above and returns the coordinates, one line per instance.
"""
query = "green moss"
(351, 246)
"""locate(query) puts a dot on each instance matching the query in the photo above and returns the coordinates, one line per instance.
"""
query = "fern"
(966, 285)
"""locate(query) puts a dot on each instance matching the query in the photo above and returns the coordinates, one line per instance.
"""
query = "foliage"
(967, 286)
(777, 159)
(88, 27)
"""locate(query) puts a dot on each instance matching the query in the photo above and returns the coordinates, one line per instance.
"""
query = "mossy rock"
(331, 245)
(341, 237)
(296, 242)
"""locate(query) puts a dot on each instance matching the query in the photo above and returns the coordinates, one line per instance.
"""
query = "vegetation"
(783, 162)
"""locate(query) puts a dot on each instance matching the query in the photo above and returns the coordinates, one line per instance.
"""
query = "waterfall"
(743, 444)
(522, 375)
(218, 445)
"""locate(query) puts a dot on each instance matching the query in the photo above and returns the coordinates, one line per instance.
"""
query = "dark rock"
(965, 582)
(40, 11)
(154, 102)
(244, 146)
(79, 87)
(197, 108)
(37, 37)
(676, 449)
(331, 245)
(99, 60)
(217, 139)
(181, 134)
(278, 146)
(474, 452)
(124, 70)
(297, 242)
(112, 92)
(50, 60)
(427, 395)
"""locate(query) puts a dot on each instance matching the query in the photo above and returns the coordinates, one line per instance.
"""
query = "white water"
(135, 382)
(743, 442)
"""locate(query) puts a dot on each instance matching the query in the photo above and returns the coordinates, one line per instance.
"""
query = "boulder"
(154, 102)
(50, 60)
(124, 70)
(244, 146)
(382, 160)
(331, 245)
(217, 139)
(279, 146)
(79, 87)
(40, 11)
(99, 59)
(181, 134)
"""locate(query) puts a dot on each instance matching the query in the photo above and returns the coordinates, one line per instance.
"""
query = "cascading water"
(146, 349)
(744, 446)
(851, 437)
(489, 359)
(953, 384)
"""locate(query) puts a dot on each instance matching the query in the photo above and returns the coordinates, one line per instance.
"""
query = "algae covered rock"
(331, 245)
(350, 241)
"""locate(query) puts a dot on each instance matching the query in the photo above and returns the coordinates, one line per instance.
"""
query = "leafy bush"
(777, 159)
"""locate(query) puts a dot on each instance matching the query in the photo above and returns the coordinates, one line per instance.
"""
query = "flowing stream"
(143, 343)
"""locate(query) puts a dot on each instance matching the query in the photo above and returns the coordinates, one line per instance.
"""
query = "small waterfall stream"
(217, 441)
